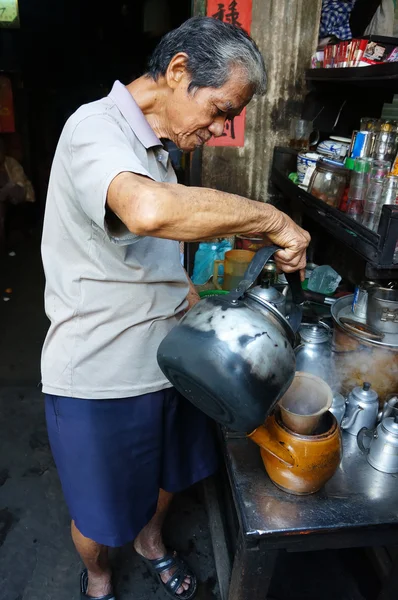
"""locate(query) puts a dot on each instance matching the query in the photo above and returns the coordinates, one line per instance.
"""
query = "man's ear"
(177, 70)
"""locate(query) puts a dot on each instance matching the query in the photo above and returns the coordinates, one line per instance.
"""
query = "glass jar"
(328, 182)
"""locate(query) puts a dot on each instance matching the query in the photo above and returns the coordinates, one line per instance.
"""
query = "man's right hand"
(285, 233)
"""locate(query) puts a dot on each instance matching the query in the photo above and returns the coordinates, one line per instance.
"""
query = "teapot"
(314, 354)
(232, 356)
(381, 446)
(362, 409)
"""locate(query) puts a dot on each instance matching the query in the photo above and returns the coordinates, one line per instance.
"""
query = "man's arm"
(182, 213)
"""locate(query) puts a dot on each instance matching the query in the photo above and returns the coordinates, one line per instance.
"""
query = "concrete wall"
(286, 32)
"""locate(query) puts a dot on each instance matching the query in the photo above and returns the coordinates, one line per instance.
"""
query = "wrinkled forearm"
(175, 211)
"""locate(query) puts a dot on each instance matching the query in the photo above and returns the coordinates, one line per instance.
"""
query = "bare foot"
(156, 549)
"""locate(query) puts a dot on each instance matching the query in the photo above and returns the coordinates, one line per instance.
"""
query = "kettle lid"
(365, 393)
(391, 425)
(266, 292)
(314, 334)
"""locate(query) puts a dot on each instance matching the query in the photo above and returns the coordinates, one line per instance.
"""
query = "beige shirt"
(111, 296)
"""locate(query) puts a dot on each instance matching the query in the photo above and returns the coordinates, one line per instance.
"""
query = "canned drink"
(360, 302)
(363, 144)
(353, 138)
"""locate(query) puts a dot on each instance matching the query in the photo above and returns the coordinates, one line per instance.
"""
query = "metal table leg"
(252, 572)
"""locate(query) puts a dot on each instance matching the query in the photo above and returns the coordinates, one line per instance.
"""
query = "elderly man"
(122, 439)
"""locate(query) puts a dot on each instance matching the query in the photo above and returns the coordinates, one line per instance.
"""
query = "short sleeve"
(99, 152)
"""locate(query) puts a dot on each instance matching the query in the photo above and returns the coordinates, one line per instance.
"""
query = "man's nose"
(217, 126)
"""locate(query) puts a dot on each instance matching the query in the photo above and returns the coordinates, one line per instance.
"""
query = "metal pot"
(359, 356)
(381, 446)
(232, 356)
(382, 310)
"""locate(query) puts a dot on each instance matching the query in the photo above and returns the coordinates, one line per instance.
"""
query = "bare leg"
(149, 542)
(95, 558)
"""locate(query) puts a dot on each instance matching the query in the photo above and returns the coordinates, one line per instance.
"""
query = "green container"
(209, 293)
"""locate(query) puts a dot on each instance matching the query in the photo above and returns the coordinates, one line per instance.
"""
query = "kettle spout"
(262, 438)
(347, 422)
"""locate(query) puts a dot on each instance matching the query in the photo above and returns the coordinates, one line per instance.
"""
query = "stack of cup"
(378, 173)
(360, 177)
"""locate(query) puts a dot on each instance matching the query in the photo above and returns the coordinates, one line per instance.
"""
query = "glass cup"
(235, 264)
(380, 168)
(300, 134)
(390, 190)
(369, 124)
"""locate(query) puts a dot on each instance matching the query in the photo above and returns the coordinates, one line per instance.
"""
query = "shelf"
(376, 249)
(384, 75)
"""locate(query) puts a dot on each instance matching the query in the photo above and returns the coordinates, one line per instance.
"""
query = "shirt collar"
(133, 115)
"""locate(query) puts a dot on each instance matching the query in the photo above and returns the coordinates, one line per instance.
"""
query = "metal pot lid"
(283, 321)
(338, 400)
(362, 329)
(390, 425)
(314, 334)
(365, 393)
(268, 293)
(342, 308)
(385, 295)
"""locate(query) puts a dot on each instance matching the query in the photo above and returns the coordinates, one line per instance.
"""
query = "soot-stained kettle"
(381, 445)
(232, 356)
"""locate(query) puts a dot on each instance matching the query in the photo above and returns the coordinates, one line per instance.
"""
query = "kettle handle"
(362, 434)
(254, 269)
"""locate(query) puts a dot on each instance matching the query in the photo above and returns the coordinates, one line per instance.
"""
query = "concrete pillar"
(286, 32)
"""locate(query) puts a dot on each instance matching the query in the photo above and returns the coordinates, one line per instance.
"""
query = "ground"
(37, 558)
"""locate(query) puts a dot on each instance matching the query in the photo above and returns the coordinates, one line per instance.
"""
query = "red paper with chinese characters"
(7, 123)
(237, 12)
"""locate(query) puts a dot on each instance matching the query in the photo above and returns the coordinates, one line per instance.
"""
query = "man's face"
(193, 118)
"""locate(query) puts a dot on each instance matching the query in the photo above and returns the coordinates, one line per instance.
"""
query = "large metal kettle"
(232, 356)
(381, 445)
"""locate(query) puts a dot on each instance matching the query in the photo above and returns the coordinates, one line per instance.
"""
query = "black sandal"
(84, 586)
(170, 561)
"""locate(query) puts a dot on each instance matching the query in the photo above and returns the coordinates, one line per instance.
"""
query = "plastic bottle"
(324, 280)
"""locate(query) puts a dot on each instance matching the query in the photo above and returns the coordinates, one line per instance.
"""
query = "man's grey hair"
(213, 49)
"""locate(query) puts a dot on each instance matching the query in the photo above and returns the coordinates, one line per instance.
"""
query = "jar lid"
(329, 166)
(349, 163)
